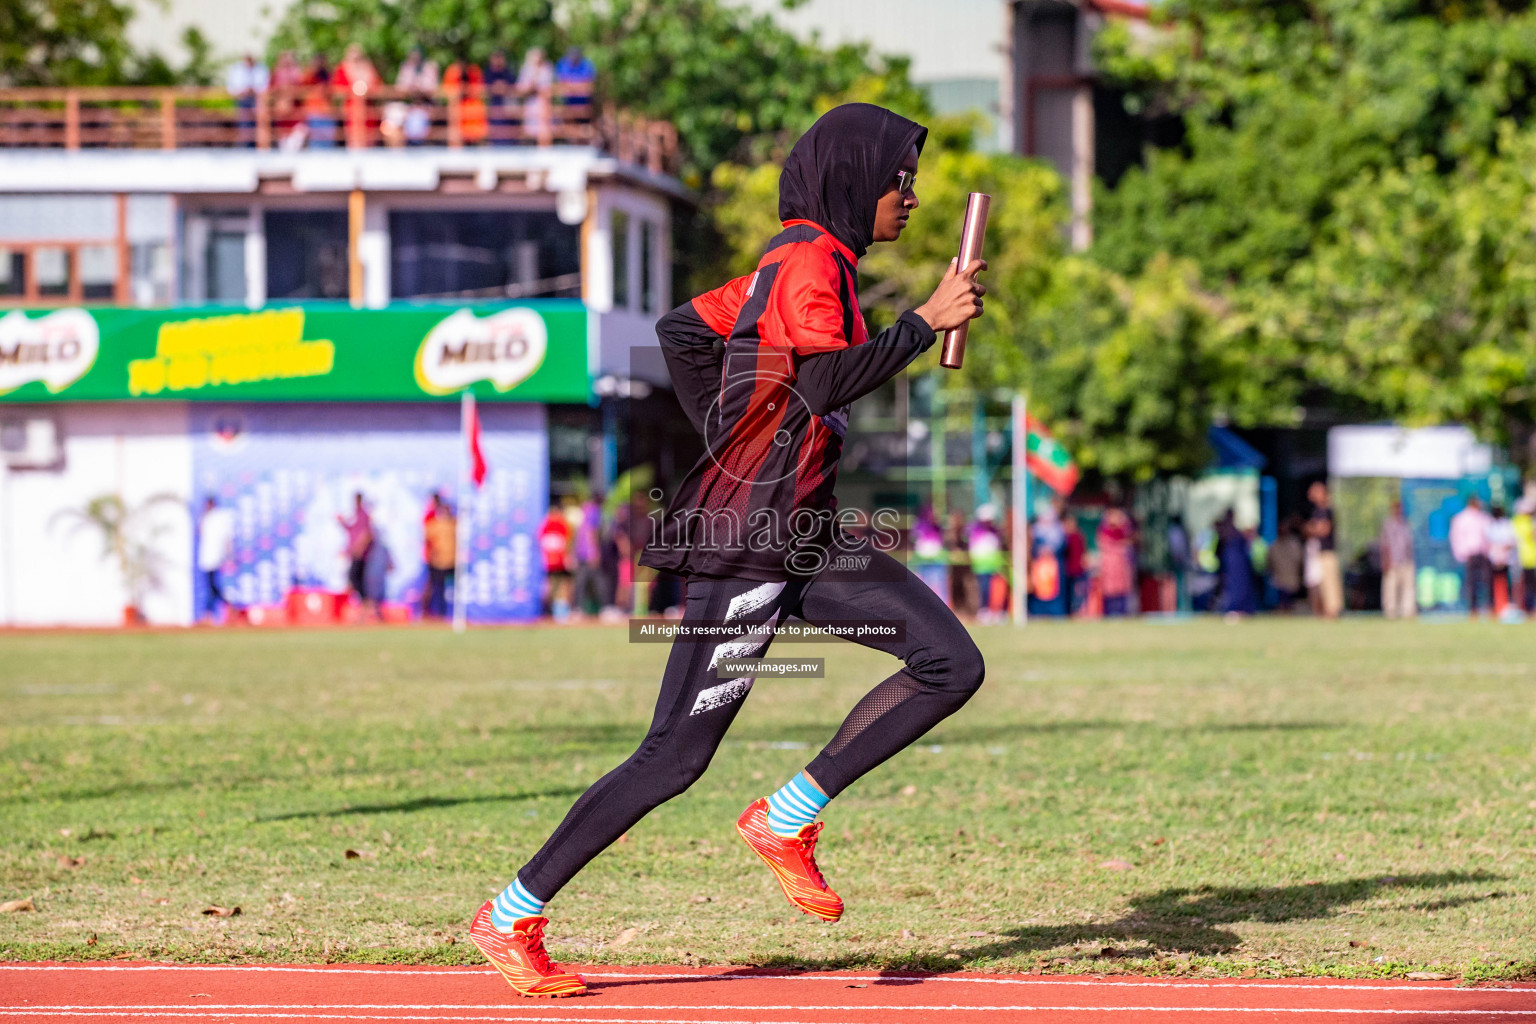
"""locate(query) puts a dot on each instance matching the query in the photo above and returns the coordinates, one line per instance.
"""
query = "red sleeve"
(719, 308)
(805, 312)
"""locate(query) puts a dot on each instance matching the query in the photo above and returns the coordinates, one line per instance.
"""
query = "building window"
(51, 268)
(225, 263)
(306, 255)
(618, 222)
(152, 274)
(58, 273)
(13, 272)
(647, 267)
(490, 255)
(98, 272)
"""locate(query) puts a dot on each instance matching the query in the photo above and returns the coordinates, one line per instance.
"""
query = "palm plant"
(128, 535)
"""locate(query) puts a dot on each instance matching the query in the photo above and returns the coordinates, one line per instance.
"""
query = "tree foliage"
(1421, 297)
(1352, 191)
(85, 42)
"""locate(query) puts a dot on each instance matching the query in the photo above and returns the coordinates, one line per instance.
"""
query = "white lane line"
(468, 972)
(604, 1008)
(269, 1015)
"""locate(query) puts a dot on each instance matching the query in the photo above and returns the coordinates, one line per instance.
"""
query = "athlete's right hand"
(956, 299)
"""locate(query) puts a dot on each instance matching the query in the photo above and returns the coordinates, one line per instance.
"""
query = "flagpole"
(1020, 511)
(461, 525)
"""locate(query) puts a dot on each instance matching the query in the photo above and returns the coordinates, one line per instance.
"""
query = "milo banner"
(530, 352)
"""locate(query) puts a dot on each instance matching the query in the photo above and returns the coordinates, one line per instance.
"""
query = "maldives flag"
(1047, 459)
(471, 420)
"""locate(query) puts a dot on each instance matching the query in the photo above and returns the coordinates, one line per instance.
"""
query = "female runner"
(755, 530)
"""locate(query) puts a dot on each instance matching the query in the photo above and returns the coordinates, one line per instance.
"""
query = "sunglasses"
(905, 181)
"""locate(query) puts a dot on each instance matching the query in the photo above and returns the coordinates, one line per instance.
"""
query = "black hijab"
(839, 169)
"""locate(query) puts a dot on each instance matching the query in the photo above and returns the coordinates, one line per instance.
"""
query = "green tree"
(1421, 297)
(1352, 190)
(1132, 372)
(445, 30)
(85, 42)
(1287, 103)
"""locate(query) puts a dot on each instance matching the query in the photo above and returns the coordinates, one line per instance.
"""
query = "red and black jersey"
(772, 406)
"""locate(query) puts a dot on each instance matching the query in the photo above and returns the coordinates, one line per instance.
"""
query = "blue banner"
(288, 472)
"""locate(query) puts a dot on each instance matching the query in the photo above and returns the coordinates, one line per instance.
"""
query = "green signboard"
(529, 352)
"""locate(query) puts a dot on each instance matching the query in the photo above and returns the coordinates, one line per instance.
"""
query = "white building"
(184, 285)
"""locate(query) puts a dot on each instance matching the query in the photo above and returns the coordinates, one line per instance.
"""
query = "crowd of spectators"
(1497, 554)
(590, 551)
(312, 104)
(1090, 562)
(1070, 572)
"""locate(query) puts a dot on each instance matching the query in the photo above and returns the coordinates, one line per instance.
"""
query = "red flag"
(472, 428)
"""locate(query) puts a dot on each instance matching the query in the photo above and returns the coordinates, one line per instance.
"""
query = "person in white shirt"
(417, 75)
(1469, 546)
(246, 80)
(535, 82)
(1501, 555)
(215, 545)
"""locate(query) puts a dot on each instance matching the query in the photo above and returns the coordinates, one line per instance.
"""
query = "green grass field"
(1275, 797)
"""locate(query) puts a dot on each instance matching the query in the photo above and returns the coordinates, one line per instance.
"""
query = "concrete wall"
(52, 572)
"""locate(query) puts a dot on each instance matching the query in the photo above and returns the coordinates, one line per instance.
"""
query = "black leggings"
(943, 668)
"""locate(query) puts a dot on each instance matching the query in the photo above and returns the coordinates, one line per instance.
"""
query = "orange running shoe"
(520, 956)
(793, 861)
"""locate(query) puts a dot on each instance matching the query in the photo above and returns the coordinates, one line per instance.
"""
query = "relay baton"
(973, 234)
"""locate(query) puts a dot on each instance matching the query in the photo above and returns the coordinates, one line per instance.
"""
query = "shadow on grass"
(1182, 920)
(1193, 920)
(423, 803)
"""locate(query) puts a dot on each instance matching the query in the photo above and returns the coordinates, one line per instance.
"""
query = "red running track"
(141, 993)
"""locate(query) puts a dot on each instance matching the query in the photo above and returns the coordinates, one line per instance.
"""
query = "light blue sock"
(513, 903)
(795, 806)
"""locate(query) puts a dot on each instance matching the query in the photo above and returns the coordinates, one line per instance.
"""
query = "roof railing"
(310, 117)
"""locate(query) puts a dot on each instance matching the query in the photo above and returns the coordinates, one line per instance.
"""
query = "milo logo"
(504, 348)
(55, 349)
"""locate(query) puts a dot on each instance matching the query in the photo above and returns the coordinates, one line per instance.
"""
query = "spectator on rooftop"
(535, 83)
(319, 111)
(418, 122)
(467, 81)
(356, 74)
(287, 73)
(356, 77)
(285, 82)
(246, 80)
(500, 84)
(417, 74)
(574, 76)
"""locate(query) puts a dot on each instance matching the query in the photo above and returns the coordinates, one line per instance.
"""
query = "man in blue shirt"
(574, 75)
